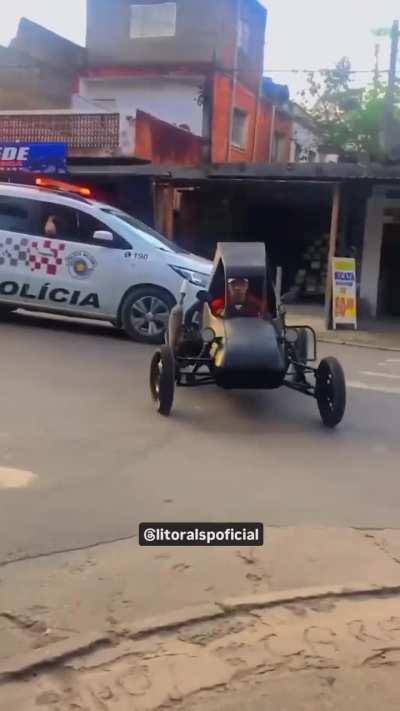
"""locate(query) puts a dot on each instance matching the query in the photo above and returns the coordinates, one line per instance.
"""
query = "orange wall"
(245, 99)
(221, 117)
(163, 144)
(263, 133)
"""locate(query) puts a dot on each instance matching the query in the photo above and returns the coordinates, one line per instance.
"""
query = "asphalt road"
(76, 412)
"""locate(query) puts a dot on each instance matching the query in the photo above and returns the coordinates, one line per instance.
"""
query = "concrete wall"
(206, 33)
(251, 61)
(171, 100)
(126, 125)
(27, 85)
(43, 69)
(371, 258)
(198, 33)
(283, 126)
(306, 139)
(49, 48)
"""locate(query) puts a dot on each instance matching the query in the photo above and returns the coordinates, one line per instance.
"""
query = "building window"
(244, 35)
(279, 148)
(239, 128)
(149, 21)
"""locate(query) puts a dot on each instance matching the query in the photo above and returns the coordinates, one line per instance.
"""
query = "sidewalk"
(341, 655)
(206, 628)
(383, 334)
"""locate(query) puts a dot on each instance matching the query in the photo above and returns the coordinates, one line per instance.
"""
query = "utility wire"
(318, 71)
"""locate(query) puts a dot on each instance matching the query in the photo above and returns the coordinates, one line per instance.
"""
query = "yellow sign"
(344, 296)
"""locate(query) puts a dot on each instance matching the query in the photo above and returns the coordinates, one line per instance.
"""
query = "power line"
(318, 71)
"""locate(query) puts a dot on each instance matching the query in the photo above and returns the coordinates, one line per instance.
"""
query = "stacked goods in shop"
(311, 278)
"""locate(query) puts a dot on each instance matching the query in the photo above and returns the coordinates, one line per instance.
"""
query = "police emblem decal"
(81, 265)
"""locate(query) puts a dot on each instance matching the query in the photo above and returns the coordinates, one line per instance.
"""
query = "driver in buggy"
(241, 301)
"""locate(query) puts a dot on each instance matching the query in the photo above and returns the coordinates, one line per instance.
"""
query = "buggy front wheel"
(162, 379)
(331, 392)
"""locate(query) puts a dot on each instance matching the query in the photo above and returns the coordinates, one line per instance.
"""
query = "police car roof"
(32, 192)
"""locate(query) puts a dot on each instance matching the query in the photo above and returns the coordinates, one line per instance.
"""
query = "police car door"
(86, 277)
(17, 224)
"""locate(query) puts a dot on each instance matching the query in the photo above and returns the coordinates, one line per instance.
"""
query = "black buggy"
(216, 342)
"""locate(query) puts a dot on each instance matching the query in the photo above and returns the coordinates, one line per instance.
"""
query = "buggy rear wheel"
(331, 391)
(162, 379)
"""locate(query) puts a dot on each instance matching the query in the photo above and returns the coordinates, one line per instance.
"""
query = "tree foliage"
(348, 119)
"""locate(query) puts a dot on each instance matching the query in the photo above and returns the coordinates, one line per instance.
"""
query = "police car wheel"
(145, 314)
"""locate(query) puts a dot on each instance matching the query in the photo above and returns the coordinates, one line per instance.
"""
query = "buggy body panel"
(249, 355)
(251, 344)
(248, 351)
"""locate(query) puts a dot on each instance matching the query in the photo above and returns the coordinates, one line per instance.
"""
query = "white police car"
(66, 254)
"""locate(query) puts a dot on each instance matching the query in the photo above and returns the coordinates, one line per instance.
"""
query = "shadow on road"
(250, 413)
(64, 324)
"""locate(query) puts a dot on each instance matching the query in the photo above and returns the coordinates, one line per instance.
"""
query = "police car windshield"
(145, 232)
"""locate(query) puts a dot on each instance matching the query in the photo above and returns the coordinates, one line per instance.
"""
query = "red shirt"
(251, 307)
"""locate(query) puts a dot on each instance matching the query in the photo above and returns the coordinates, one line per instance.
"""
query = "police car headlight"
(196, 278)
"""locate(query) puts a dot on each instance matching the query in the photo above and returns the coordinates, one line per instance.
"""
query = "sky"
(302, 34)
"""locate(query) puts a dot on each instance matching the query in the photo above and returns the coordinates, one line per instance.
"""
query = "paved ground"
(76, 412)
(104, 588)
(384, 332)
(321, 654)
(77, 420)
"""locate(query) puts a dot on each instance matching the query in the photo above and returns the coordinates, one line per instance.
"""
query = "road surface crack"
(382, 546)
(74, 549)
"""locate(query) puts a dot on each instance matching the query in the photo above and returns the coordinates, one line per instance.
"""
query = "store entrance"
(389, 287)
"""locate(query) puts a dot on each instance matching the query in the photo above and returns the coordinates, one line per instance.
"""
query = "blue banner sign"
(49, 158)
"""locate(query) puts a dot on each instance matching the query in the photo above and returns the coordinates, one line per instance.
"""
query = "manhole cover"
(15, 478)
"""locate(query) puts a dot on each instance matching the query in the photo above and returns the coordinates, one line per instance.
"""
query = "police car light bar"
(60, 185)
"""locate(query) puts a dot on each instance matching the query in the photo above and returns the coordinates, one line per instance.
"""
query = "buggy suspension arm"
(302, 386)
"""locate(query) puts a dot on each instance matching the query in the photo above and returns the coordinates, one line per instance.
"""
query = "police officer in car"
(51, 228)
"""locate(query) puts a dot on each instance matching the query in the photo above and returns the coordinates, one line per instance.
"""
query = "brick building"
(39, 69)
(168, 82)
(195, 65)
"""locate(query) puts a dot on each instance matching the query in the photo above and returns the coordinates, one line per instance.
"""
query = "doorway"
(389, 284)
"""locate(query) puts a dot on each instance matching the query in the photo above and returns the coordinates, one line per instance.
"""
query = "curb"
(354, 344)
(40, 659)
(252, 602)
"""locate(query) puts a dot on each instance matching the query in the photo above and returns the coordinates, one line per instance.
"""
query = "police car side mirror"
(103, 236)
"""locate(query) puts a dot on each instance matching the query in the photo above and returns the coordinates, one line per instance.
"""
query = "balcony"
(101, 135)
(87, 134)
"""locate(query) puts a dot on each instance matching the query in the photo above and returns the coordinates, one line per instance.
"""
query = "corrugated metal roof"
(315, 172)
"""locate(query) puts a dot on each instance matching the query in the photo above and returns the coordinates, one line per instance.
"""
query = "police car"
(67, 254)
